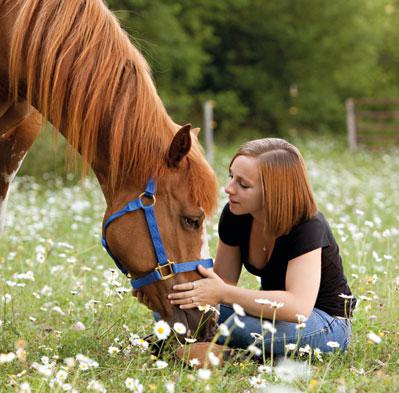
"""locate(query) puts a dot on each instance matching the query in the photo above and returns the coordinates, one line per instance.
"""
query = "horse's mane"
(86, 77)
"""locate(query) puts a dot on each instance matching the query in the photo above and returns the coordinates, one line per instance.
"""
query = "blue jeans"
(320, 328)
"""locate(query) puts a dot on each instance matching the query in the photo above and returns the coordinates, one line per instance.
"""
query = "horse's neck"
(18, 136)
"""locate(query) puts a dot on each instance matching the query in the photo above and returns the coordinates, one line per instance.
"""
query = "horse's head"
(184, 194)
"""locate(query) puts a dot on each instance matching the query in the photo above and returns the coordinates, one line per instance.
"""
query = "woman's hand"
(209, 290)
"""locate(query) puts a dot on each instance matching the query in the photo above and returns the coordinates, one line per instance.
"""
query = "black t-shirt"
(309, 235)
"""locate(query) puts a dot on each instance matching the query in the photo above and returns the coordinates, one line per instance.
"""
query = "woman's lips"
(234, 202)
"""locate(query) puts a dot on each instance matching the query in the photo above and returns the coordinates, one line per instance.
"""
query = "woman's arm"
(302, 285)
(228, 263)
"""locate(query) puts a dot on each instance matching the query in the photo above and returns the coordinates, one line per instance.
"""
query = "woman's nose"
(229, 189)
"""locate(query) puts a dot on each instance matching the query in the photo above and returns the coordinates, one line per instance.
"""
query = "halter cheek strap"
(165, 269)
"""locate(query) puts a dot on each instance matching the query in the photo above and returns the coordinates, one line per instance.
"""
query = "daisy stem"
(272, 342)
(263, 337)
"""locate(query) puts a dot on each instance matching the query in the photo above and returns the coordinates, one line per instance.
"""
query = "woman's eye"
(243, 185)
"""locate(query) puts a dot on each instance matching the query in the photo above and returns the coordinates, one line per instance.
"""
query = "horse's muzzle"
(200, 325)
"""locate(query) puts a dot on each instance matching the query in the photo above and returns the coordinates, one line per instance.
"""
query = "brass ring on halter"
(152, 197)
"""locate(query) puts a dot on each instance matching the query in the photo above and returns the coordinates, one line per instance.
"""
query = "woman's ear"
(180, 146)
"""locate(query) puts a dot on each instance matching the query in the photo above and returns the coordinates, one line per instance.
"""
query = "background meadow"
(69, 323)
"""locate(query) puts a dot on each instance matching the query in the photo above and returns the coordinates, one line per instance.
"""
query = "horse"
(70, 64)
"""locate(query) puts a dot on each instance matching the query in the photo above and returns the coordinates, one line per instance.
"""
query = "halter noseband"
(165, 268)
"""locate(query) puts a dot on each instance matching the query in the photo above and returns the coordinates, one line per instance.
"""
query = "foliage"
(269, 65)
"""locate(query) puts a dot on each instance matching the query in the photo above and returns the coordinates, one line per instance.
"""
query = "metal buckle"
(144, 195)
(171, 272)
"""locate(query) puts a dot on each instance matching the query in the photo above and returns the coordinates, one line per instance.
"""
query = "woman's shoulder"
(308, 235)
(311, 230)
(318, 221)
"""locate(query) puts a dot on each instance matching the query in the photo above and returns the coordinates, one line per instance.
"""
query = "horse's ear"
(196, 131)
(180, 146)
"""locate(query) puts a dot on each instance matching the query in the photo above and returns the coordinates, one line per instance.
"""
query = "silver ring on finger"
(193, 282)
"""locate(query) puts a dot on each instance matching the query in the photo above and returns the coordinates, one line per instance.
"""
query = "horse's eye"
(192, 223)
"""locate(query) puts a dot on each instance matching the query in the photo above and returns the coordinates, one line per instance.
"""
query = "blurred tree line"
(278, 65)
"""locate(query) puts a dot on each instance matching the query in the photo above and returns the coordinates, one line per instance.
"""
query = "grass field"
(65, 320)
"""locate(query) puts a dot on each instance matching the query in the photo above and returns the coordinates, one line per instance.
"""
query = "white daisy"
(24, 388)
(254, 350)
(333, 344)
(170, 387)
(61, 376)
(223, 330)
(7, 357)
(160, 364)
(179, 328)
(204, 374)
(113, 350)
(238, 310)
(262, 301)
(162, 330)
(214, 360)
(96, 386)
(268, 326)
(257, 382)
(194, 362)
(343, 296)
(134, 385)
(238, 322)
(374, 338)
(78, 326)
(290, 347)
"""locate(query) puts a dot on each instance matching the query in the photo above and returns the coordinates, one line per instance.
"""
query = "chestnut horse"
(70, 63)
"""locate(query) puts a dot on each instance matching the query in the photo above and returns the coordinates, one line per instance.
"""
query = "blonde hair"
(286, 190)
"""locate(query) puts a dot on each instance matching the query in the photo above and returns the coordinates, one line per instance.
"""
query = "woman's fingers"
(205, 272)
(181, 295)
(188, 306)
(189, 300)
(184, 287)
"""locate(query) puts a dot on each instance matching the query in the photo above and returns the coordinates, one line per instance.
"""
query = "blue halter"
(165, 269)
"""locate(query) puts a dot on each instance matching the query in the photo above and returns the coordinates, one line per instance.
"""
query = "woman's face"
(245, 188)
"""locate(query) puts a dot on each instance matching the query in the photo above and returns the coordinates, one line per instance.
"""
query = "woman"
(272, 227)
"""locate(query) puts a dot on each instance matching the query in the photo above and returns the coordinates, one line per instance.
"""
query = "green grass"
(54, 232)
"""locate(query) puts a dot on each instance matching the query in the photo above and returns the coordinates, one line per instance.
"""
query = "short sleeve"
(307, 236)
(229, 232)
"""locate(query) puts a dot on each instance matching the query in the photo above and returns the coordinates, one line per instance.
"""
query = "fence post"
(208, 126)
(351, 123)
